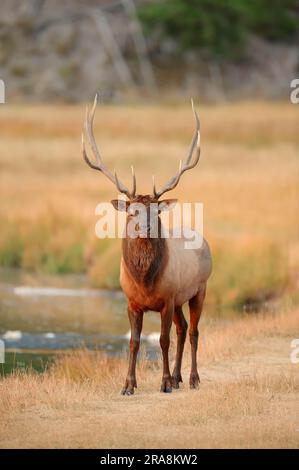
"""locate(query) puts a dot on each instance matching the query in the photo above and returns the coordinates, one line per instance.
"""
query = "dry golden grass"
(248, 396)
(247, 179)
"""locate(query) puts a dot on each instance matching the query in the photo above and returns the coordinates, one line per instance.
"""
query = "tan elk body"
(158, 273)
(180, 278)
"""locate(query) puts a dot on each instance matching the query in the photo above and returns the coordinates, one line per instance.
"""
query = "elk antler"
(88, 125)
(187, 165)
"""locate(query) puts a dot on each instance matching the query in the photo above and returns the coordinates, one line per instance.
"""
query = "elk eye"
(132, 211)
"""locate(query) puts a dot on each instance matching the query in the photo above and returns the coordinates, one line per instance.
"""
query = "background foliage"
(221, 28)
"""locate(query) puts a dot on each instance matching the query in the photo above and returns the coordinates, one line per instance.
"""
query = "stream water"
(38, 320)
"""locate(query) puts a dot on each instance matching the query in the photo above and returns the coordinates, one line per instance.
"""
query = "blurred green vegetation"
(46, 246)
(221, 28)
(25, 362)
(248, 276)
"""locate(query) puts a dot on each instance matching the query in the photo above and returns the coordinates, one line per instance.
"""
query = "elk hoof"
(175, 380)
(126, 391)
(194, 381)
(129, 388)
(166, 386)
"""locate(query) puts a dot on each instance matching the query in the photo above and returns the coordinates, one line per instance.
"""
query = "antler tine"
(188, 164)
(89, 163)
(88, 125)
(121, 187)
(134, 181)
(92, 142)
(195, 135)
(154, 187)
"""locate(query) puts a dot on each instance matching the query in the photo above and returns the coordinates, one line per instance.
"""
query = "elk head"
(144, 210)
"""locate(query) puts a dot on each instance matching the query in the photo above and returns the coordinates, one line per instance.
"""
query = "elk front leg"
(181, 329)
(195, 306)
(166, 321)
(136, 318)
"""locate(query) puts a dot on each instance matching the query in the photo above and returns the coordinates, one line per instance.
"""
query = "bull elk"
(158, 274)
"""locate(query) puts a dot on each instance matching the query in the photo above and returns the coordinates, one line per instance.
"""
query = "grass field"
(249, 396)
(247, 179)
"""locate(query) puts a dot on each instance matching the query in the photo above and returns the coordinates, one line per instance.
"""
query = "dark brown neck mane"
(145, 259)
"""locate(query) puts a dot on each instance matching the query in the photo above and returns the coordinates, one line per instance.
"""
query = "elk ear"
(120, 204)
(167, 205)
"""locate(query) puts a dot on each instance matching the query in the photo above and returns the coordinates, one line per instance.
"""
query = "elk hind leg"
(181, 329)
(166, 322)
(195, 306)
